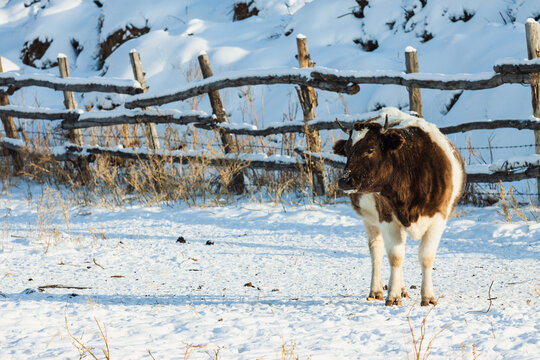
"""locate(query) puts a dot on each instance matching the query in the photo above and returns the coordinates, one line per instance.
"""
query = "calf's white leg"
(376, 249)
(394, 242)
(426, 255)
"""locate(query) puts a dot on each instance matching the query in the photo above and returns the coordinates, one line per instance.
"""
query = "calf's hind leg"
(426, 255)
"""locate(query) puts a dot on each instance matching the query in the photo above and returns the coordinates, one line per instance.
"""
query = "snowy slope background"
(463, 37)
(275, 275)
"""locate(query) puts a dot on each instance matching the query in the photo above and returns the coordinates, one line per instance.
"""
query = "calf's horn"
(348, 132)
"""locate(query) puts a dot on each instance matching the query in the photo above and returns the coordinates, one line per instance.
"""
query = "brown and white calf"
(402, 180)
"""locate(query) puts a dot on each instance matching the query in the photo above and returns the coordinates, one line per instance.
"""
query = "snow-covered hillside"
(451, 37)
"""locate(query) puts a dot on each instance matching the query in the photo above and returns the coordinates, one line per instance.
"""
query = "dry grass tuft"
(512, 210)
(418, 341)
(83, 348)
(288, 351)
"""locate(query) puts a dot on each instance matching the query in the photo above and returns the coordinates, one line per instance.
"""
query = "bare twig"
(94, 259)
(490, 302)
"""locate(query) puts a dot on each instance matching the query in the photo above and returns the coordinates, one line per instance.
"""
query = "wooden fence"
(137, 111)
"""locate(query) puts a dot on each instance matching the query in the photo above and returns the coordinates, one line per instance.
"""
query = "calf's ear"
(339, 147)
(392, 140)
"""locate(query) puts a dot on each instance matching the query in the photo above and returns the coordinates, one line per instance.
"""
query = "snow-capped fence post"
(411, 64)
(308, 101)
(10, 128)
(75, 135)
(236, 184)
(532, 32)
(138, 74)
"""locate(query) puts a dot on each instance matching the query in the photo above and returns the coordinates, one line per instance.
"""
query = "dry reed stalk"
(45, 213)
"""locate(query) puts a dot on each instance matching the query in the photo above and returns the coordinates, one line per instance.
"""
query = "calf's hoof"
(404, 293)
(375, 295)
(391, 302)
(427, 301)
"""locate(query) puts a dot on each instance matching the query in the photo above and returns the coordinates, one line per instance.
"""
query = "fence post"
(532, 32)
(69, 99)
(236, 185)
(308, 101)
(75, 135)
(10, 128)
(151, 132)
(415, 97)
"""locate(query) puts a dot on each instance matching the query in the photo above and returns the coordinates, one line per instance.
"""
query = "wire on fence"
(496, 147)
(139, 137)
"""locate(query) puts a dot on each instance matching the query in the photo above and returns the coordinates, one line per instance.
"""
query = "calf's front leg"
(376, 250)
(394, 242)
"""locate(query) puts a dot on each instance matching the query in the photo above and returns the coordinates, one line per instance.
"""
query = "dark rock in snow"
(181, 240)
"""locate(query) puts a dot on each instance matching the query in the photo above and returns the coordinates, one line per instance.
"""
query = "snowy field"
(253, 281)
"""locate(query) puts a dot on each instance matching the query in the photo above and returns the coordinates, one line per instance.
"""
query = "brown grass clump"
(159, 179)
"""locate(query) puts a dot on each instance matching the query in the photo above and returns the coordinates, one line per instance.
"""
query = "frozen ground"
(308, 267)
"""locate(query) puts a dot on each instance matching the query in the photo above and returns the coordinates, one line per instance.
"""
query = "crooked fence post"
(532, 32)
(75, 135)
(138, 74)
(236, 185)
(415, 97)
(10, 129)
(308, 101)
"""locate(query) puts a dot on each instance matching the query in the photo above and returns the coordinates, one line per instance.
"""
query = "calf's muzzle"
(345, 181)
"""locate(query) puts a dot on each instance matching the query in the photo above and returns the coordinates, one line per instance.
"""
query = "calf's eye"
(370, 151)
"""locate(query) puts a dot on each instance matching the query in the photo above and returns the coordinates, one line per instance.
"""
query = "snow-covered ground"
(308, 268)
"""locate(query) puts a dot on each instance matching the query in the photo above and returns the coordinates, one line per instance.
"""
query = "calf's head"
(369, 151)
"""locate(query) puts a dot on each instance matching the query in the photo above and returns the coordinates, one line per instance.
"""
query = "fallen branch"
(58, 286)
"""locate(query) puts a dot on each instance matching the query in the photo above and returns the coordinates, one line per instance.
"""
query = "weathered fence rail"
(347, 121)
(332, 80)
(137, 112)
(70, 152)
(78, 119)
(120, 86)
